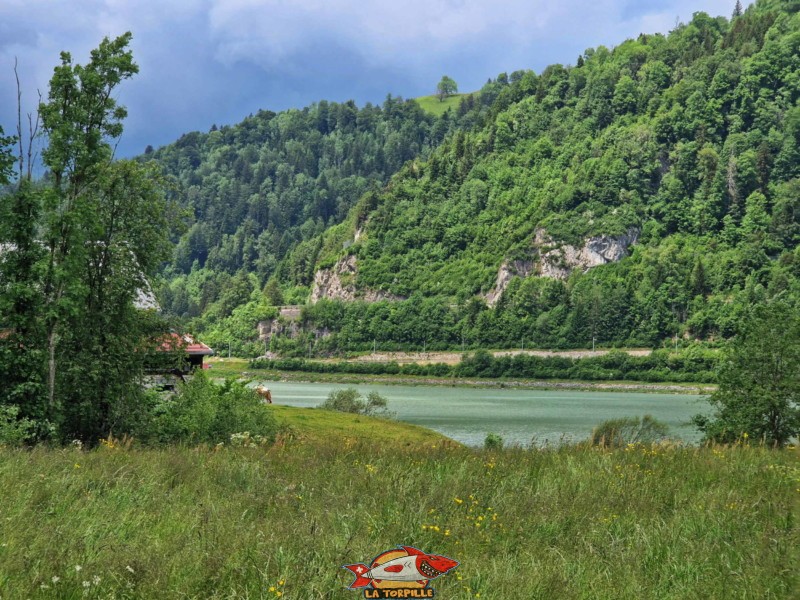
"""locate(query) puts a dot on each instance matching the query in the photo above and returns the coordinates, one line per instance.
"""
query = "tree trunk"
(51, 376)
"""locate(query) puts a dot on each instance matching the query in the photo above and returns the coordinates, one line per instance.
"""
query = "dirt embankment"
(522, 384)
(452, 358)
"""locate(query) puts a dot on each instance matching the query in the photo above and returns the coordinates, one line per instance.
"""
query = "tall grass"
(572, 522)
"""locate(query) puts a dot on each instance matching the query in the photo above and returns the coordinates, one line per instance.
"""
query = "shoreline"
(598, 386)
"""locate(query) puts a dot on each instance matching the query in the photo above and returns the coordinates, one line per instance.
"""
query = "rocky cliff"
(286, 323)
(550, 259)
(507, 271)
(560, 261)
(338, 283)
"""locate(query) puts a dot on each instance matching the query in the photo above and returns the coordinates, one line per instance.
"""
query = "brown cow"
(264, 393)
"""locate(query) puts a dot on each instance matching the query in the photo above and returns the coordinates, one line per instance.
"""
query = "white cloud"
(417, 31)
(267, 31)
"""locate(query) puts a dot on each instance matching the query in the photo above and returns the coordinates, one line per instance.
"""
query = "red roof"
(173, 342)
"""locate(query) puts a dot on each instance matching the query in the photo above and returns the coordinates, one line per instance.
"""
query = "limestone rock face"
(338, 283)
(507, 271)
(287, 322)
(558, 261)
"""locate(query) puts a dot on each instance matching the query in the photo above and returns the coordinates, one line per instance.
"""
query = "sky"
(205, 62)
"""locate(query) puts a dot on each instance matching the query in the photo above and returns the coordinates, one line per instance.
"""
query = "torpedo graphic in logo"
(404, 572)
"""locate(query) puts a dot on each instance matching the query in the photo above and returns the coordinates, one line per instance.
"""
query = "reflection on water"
(520, 416)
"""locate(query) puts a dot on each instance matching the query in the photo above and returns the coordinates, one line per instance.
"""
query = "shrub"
(376, 404)
(204, 412)
(629, 430)
(493, 441)
(13, 430)
(349, 400)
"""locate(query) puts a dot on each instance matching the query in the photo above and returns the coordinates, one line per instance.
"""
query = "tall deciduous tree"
(20, 295)
(83, 244)
(79, 118)
(21, 301)
(103, 344)
(446, 88)
(759, 382)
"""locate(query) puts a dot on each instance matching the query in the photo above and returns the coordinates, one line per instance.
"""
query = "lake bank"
(227, 367)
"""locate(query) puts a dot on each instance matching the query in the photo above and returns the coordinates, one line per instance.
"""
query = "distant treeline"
(694, 365)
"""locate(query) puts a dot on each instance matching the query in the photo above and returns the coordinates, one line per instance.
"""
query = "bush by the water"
(204, 412)
(493, 441)
(629, 430)
(759, 381)
(349, 400)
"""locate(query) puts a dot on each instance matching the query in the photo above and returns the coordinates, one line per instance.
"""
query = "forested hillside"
(678, 154)
(259, 194)
(646, 192)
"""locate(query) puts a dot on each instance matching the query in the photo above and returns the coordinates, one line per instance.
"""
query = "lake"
(519, 416)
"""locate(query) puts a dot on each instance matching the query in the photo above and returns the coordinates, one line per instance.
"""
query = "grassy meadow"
(280, 520)
(432, 104)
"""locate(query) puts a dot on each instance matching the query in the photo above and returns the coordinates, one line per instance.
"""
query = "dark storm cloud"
(215, 61)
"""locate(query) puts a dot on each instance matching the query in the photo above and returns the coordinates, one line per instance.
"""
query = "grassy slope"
(313, 425)
(250, 523)
(432, 105)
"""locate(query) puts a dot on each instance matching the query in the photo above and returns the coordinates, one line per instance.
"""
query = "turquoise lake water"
(520, 416)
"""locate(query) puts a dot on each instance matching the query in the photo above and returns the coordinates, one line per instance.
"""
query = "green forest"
(259, 196)
(686, 143)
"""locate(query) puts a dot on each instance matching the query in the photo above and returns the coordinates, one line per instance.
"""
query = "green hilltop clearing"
(432, 105)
